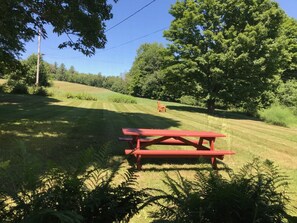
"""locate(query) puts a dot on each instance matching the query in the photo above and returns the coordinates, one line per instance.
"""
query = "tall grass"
(81, 96)
(122, 99)
(278, 115)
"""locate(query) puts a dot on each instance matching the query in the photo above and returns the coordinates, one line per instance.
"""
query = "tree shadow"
(58, 134)
(291, 218)
(176, 164)
(217, 113)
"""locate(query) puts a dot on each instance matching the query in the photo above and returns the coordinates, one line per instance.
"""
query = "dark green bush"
(41, 91)
(18, 87)
(257, 193)
(188, 100)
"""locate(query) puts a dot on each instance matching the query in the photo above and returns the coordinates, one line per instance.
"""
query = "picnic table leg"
(214, 163)
(213, 159)
(200, 142)
(138, 158)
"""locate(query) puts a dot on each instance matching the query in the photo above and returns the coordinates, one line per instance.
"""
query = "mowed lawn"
(56, 129)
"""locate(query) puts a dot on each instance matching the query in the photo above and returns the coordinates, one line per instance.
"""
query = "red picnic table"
(137, 138)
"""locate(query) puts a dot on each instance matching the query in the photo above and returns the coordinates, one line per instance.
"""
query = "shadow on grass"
(202, 163)
(56, 133)
(291, 218)
(217, 113)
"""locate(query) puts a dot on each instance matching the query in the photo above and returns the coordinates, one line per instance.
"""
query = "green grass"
(57, 129)
(61, 89)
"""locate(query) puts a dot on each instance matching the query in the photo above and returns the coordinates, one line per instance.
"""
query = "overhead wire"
(130, 41)
(138, 38)
(130, 16)
(111, 48)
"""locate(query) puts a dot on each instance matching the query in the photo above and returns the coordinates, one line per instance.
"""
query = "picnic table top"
(169, 133)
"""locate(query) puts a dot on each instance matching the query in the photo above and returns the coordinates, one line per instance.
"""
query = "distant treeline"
(61, 73)
(25, 76)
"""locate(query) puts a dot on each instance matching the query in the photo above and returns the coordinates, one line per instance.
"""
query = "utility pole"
(38, 58)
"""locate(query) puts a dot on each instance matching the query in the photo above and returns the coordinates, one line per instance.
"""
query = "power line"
(130, 16)
(138, 38)
(111, 48)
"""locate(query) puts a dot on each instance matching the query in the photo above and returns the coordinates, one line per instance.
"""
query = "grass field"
(56, 129)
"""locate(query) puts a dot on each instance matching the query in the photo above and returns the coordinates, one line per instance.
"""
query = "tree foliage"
(287, 94)
(145, 78)
(24, 75)
(82, 21)
(61, 73)
(289, 41)
(30, 65)
(224, 50)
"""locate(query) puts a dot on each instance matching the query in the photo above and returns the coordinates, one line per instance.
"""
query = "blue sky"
(123, 40)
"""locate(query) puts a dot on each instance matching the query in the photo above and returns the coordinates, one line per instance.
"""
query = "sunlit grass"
(61, 89)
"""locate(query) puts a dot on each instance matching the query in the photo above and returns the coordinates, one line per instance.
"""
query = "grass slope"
(57, 129)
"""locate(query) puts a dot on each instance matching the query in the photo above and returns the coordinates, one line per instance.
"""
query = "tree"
(26, 73)
(145, 77)
(62, 72)
(82, 21)
(289, 40)
(30, 66)
(224, 49)
(116, 83)
(287, 94)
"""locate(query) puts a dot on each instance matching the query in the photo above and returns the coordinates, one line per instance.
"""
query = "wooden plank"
(169, 132)
(177, 153)
(213, 154)
(165, 142)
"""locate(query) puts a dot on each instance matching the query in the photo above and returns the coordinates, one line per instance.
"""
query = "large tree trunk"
(211, 106)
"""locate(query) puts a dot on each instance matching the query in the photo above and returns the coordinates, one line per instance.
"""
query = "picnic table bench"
(132, 141)
(138, 141)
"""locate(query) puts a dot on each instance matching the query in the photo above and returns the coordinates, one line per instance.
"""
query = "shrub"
(278, 115)
(41, 91)
(72, 197)
(18, 87)
(6, 88)
(188, 100)
(2, 89)
(287, 93)
(123, 99)
(81, 96)
(257, 193)
(84, 96)
(69, 95)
